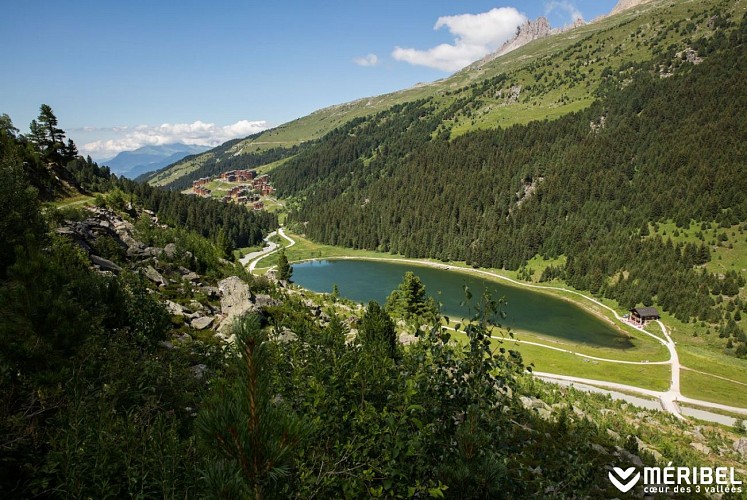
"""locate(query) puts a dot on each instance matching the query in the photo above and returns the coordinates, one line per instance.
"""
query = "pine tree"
(410, 300)
(377, 330)
(70, 151)
(285, 271)
(252, 434)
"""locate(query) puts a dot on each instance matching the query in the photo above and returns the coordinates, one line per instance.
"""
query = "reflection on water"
(527, 310)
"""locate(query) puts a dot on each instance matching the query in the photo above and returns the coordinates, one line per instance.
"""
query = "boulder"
(154, 276)
(234, 301)
(701, 448)
(104, 264)
(544, 414)
(262, 301)
(170, 250)
(195, 306)
(191, 276)
(629, 458)
(174, 309)
(202, 322)
(740, 446)
(235, 296)
(285, 335)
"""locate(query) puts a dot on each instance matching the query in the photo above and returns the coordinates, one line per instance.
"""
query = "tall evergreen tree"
(410, 300)
(285, 270)
(377, 330)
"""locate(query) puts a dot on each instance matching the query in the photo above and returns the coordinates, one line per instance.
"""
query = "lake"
(526, 310)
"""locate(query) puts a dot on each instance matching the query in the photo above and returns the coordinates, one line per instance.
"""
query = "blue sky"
(121, 74)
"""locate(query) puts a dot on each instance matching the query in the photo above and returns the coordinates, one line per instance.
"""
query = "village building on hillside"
(640, 315)
(248, 192)
(238, 175)
(201, 191)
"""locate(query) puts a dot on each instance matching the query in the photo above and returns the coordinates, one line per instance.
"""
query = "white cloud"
(196, 133)
(475, 36)
(566, 6)
(369, 60)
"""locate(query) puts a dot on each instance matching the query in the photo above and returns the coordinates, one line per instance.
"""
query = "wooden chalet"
(640, 315)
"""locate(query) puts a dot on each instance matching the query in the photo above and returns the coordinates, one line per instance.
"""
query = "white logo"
(624, 475)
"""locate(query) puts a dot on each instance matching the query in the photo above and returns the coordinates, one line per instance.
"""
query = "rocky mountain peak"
(527, 32)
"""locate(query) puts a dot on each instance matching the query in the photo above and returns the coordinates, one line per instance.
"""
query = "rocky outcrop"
(235, 300)
(235, 296)
(528, 32)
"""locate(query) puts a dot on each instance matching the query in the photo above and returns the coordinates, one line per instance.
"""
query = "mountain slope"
(590, 189)
(544, 79)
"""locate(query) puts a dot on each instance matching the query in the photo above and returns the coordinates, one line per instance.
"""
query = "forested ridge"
(586, 186)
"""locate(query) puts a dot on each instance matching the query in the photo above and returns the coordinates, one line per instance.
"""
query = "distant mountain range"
(131, 164)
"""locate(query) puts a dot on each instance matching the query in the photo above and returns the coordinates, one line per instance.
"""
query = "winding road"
(667, 399)
(250, 260)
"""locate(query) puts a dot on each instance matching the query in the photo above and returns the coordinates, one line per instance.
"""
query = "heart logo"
(624, 475)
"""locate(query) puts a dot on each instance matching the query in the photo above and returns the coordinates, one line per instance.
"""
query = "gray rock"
(234, 301)
(202, 323)
(654, 453)
(170, 250)
(235, 296)
(613, 434)
(195, 306)
(199, 371)
(544, 414)
(285, 335)
(740, 446)
(105, 264)
(701, 448)
(579, 412)
(166, 344)
(406, 338)
(192, 276)
(184, 338)
(154, 276)
(526, 402)
(599, 449)
(174, 309)
(262, 301)
(628, 457)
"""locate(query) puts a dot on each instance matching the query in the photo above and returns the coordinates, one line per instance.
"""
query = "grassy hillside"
(545, 79)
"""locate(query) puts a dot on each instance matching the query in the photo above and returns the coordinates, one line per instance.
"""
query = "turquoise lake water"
(526, 310)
